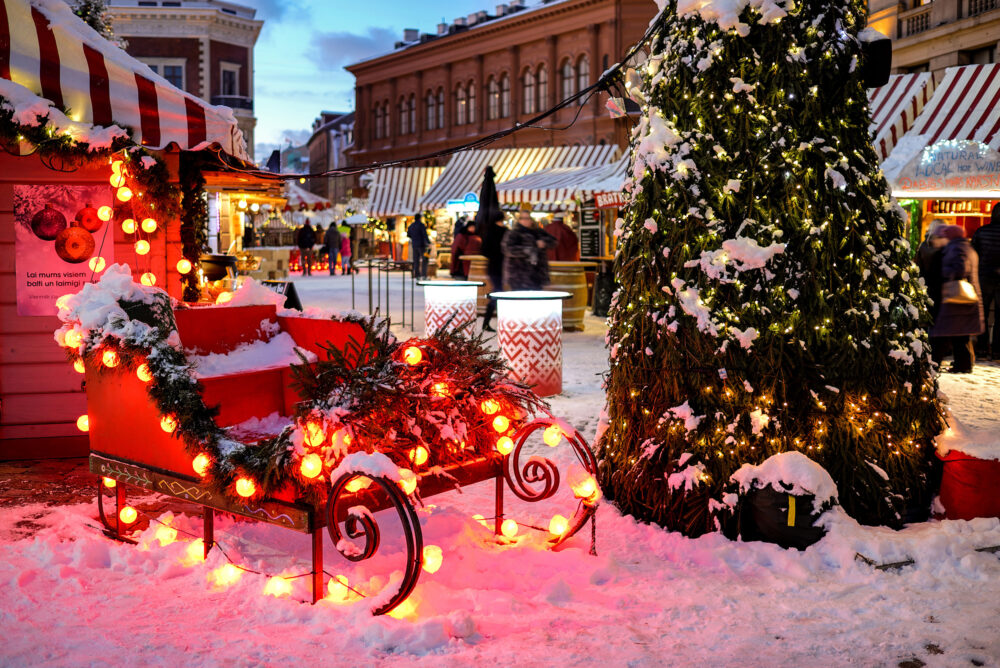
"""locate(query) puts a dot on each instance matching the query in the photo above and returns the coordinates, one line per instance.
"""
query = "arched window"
(582, 74)
(386, 118)
(461, 105)
(473, 109)
(377, 122)
(568, 79)
(528, 105)
(543, 88)
(403, 123)
(504, 96)
(411, 112)
(430, 112)
(440, 108)
(492, 100)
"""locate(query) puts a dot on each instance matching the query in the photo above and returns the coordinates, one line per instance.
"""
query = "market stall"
(394, 193)
(106, 183)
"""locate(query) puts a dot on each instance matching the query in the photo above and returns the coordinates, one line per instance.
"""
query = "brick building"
(202, 46)
(931, 36)
(333, 135)
(482, 73)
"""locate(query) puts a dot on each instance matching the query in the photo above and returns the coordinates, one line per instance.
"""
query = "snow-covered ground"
(69, 596)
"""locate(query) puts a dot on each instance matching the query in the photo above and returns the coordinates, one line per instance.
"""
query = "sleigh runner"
(373, 423)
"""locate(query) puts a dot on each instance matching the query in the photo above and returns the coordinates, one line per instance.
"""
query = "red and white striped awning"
(52, 59)
(965, 107)
(464, 173)
(560, 185)
(396, 191)
(300, 199)
(896, 106)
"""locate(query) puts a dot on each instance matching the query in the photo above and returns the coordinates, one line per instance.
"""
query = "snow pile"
(252, 293)
(792, 472)
(279, 351)
(727, 12)
(375, 465)
(256, 429)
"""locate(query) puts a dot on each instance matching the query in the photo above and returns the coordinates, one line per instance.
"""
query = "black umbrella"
(489, 203)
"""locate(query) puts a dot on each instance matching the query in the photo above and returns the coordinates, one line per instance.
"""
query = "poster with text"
(61, 242)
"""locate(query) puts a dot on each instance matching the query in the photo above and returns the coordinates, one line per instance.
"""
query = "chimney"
(442, 28)
(460, 21)
(501, 10)
(411, 35)
(473, 18)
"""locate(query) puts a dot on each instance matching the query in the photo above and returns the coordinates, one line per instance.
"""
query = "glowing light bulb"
(553, 435)
(277, 587)
(311, 465)
(440, 390)
(509, 528)
(141, 246)
(314, 434)
(165, 535)
(419, 455)
(83, 423)
(128, 515)
(104, 213)
(144, 373)
(432, 558)
(148, 225)
(168, 423)
(490, 406)
(201, 464)
(128, 226)
(124, 194)
(110, 359)
(413, 355)
(501, 424)
(117, 180)
(97, 264)
(587, 490)
(184, 266)
(116, 166)
(505, 445)
(225, 575)
(73, 339)
(357, 484)
(404, 609)
(339, 588)
(110, 483)
(243, 203)
(407, 481)
(558, 525)
(148, 279)
(224, 298)
(246, 487)
(78, 365)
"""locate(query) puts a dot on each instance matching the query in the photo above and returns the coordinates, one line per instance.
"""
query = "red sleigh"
(132, 446)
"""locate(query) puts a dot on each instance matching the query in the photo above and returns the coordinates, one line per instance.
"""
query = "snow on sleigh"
(373, 423)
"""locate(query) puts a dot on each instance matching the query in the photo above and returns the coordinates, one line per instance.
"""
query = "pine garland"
(194, 220)
(768, 300)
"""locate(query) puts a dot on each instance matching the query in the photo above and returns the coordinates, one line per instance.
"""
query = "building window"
(582, 75)
(543, 88)
(175, 75)
(492, 100)
(171, 69)
(568, 79)
(983, 56)
(473, 114)
(504, 96)
(440, 108)
(386, 112)
(528, 93)
(411, 112)
(430, 112)
(377, 122)
(461, 105)
(404, 118)
(230, 81)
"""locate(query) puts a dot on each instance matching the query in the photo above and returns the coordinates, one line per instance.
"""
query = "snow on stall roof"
(789, 471)
(277, 352)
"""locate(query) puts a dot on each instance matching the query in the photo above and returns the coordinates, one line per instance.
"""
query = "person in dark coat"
(567, 248)
(458, 248)
(526, 263)
(986, 242)
(420, 244)
(305, 239)
(959, 322)
(473, 246)
(492, 248)
(928, 258)
(331, 241)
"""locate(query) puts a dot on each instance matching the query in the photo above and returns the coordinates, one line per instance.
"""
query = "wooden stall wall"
(41, 396)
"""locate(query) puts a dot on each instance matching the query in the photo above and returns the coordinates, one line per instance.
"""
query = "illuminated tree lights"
(768, 302)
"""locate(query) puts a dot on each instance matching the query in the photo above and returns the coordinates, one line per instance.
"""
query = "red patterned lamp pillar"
(530, 332)
(444, 300)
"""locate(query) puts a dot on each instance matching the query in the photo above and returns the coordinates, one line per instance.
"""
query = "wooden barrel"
(571, 277)
(477, 272)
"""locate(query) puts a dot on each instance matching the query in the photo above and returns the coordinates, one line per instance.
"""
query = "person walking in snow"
(959, 322)
(420, 245)
(331, 241)
(567, 248)
(492, 248)
(986, 242)
(305, 239)
(928, 258)
(345, 252)
(526, 263)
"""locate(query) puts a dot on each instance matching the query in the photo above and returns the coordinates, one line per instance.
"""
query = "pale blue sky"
(305, 44)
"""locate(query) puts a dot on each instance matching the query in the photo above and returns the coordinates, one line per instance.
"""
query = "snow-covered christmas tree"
(95, 14)
(768, 302)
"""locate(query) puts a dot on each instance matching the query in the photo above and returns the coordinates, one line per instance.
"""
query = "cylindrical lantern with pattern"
(451, 303)
(530, 333)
